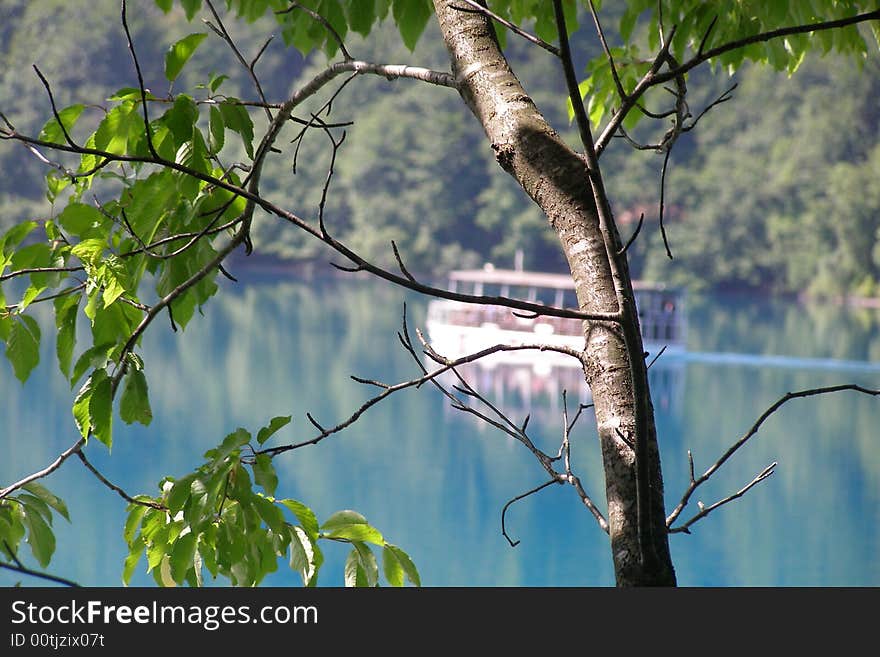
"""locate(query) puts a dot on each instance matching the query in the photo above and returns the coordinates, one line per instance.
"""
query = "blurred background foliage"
(775, 191)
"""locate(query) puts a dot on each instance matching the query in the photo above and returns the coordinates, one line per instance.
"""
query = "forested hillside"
(775, 190)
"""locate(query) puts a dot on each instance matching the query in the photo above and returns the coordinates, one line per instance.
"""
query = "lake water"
(434, 480)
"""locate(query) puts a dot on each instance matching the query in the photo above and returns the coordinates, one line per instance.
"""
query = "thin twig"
(706, 510)
(221, 31)
(653, 77)
(323, 21)
(662, 196)
(517, 499)
(480, 9)
(140, 77)
(54, 107)
(697, 482)
(128, 498)
(620, 90)
(19, 567)
(633, 237)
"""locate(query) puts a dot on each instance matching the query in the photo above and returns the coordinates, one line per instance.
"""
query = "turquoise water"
(434, 480)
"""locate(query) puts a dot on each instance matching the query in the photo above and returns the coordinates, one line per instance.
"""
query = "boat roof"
(490, 275)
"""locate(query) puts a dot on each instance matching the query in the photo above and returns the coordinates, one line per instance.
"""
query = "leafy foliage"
(212, 520)
(28, 517)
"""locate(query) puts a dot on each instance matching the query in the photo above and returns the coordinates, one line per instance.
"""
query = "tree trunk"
(556, 178)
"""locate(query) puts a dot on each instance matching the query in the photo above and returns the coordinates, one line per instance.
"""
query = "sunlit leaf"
(368, 571)
(135, 552)
(133, 521)
(48, 497)
(391, 567)
(93, 357)
(52, 132)
(180, 52)
(409, 568)
(182, 556)
(343, 518)
(305, 516)
(275, 424)
(81, 220)
(179, 493)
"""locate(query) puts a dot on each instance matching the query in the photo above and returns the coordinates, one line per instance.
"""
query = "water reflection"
(435, 481)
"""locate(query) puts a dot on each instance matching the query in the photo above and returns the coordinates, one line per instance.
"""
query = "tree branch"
(653, 77)
(531, 38)
(697, 482)
(19, 567)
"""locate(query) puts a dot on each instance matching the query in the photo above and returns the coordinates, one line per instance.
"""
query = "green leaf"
(305, 516)
(40, 538)
(101, 407)
(32, 255)
(361, 15)
(351, 526)
(180, 493)
(411, 16)
(361, 569)
(216, 81)
(81, 220)
(357, 532)
(15, 235)
(181, 118)
(182, 556)
(180, 52)
(113, 278)
(270, 513)
(66, 309)
(134, 405)
(81, 409)
(342, 519)
(353, 572)
(93, 357)
(136, 550)
(264, 473)
(191, 7)
(368, 563)
(130, 93)
(52, 132)
(302, 555)
(133, 521)
(391, 567)
(627, 23)
(49, 498)
(33, 504)
(275, 424)
(114, 130)
(406, 563)
(165, 5)
(23, 346)
(147, 202)
(89, 251)
(237, 119)
(218, 130)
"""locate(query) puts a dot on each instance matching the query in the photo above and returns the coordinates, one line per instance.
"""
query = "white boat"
(456, 328)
